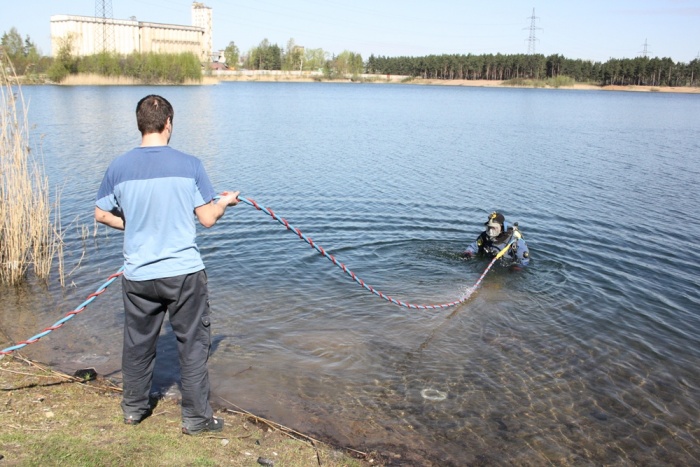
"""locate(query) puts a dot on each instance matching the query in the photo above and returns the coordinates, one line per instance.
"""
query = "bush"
(517, 82)
(559, 81)
(149, 68)
(104, 63)
(556, 82)
(57, 72)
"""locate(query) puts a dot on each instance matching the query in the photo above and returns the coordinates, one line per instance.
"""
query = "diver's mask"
(493, 229)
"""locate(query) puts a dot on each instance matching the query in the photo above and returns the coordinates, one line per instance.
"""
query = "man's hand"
(230, 197)
(209, 213)
(467, 254)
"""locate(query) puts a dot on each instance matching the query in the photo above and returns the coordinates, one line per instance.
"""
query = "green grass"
(48, 420)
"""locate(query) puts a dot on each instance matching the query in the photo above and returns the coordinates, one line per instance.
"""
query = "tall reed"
(29, 240)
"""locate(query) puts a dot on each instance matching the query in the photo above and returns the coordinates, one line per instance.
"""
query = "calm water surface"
(588, 357)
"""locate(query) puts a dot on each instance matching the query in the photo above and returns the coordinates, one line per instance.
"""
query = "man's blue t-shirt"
(157, 189)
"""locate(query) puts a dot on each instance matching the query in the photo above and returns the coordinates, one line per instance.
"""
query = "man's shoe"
(132, 421)
(213, 425)
(135, 419)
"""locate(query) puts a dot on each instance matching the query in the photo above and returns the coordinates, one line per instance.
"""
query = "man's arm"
(209, 213)
(109, 218)
(474, 247)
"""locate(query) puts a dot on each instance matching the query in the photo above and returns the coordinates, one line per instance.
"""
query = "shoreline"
(292, 77)
(52, 415)
(576, 86)
(382, 79)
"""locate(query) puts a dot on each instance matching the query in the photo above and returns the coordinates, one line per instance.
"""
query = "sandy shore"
(286, 77)
(577, 86)
(380, 79)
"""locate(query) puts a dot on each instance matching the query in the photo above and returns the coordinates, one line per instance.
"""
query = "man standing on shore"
(153, 193)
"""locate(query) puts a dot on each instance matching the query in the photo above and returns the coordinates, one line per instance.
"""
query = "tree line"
(23, 53)
(267, 56)
(640, 71)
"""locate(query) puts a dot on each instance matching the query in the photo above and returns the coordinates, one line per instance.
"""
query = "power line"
(645, 52)
(532, 40)
(104, 39)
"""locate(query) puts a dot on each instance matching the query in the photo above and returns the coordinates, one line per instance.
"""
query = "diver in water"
(498, 235)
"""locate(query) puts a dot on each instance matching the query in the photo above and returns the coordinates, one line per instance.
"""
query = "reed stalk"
(29, 240)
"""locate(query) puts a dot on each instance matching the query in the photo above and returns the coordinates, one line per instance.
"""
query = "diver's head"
(495, 224)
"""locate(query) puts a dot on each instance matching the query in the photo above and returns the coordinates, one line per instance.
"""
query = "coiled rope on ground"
(303, 237)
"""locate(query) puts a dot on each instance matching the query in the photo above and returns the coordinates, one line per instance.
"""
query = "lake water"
(589, 357)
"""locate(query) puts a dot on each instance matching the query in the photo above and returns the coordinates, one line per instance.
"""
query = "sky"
(590, 30)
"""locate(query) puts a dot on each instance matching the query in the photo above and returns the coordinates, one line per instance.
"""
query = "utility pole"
(104, 37)
(645, 52)
(531, 41)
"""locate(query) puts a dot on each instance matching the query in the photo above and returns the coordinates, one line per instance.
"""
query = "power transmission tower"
(104, 37)
(532, 40)
(645, 52)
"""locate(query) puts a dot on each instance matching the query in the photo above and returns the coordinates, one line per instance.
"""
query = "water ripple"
(588, 356)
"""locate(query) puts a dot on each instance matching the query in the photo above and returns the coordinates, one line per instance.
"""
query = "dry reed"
(28, 237)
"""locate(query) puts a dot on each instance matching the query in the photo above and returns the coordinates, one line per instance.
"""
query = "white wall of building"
(202, 18)
(126, 36)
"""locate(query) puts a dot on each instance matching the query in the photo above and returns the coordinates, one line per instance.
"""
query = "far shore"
(576, 86)
(292, 77)
(379, 79)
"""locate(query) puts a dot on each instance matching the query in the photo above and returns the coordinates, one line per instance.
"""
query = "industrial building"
(89, 35)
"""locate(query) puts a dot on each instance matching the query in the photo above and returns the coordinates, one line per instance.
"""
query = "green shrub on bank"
(149, 68)
(559, 81)
(64, 64)
(525, 83)
(104, 63)
(556, 82)
(516, 82)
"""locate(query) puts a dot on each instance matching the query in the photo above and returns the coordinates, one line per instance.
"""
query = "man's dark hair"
(152, 113)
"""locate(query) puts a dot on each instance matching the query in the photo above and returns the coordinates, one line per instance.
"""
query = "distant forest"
(640, 71)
